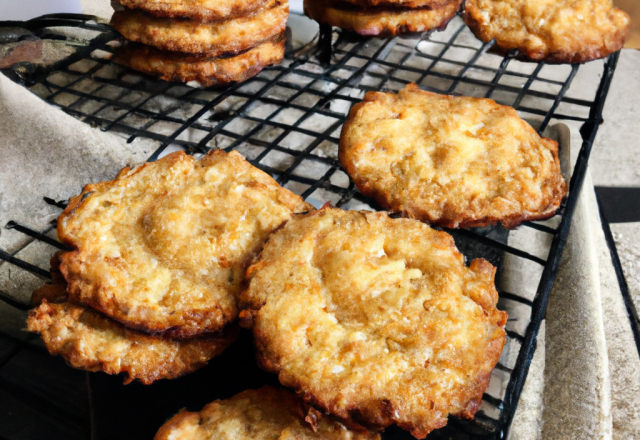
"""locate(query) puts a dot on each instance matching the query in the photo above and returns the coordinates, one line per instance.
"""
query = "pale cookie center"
(190, 232)
(362, 279)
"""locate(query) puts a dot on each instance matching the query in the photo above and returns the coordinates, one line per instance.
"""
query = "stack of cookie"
(152, 293)
(212, 42)
(383, 18)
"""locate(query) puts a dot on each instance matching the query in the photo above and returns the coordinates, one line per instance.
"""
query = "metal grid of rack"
(287, 121)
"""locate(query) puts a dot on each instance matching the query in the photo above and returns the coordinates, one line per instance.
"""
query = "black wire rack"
(287, 122)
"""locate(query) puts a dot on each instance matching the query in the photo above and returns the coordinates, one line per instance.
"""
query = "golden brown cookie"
(220, 38)
(89, 341)
(378, 22)
(264, 414)
(373, 319)
(426, 4)
(56, 289)
(163, 247)
(561, 31)
(199, 10)
(207, 71)
(452, 161)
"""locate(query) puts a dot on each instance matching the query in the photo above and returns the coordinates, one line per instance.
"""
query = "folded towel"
(45, 152)
(577, 388)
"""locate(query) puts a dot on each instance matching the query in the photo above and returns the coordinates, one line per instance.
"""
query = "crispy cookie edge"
(387, 201)
(413, 4)
(41, 319)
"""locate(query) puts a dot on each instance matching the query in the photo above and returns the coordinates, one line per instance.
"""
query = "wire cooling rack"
(287, 121)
